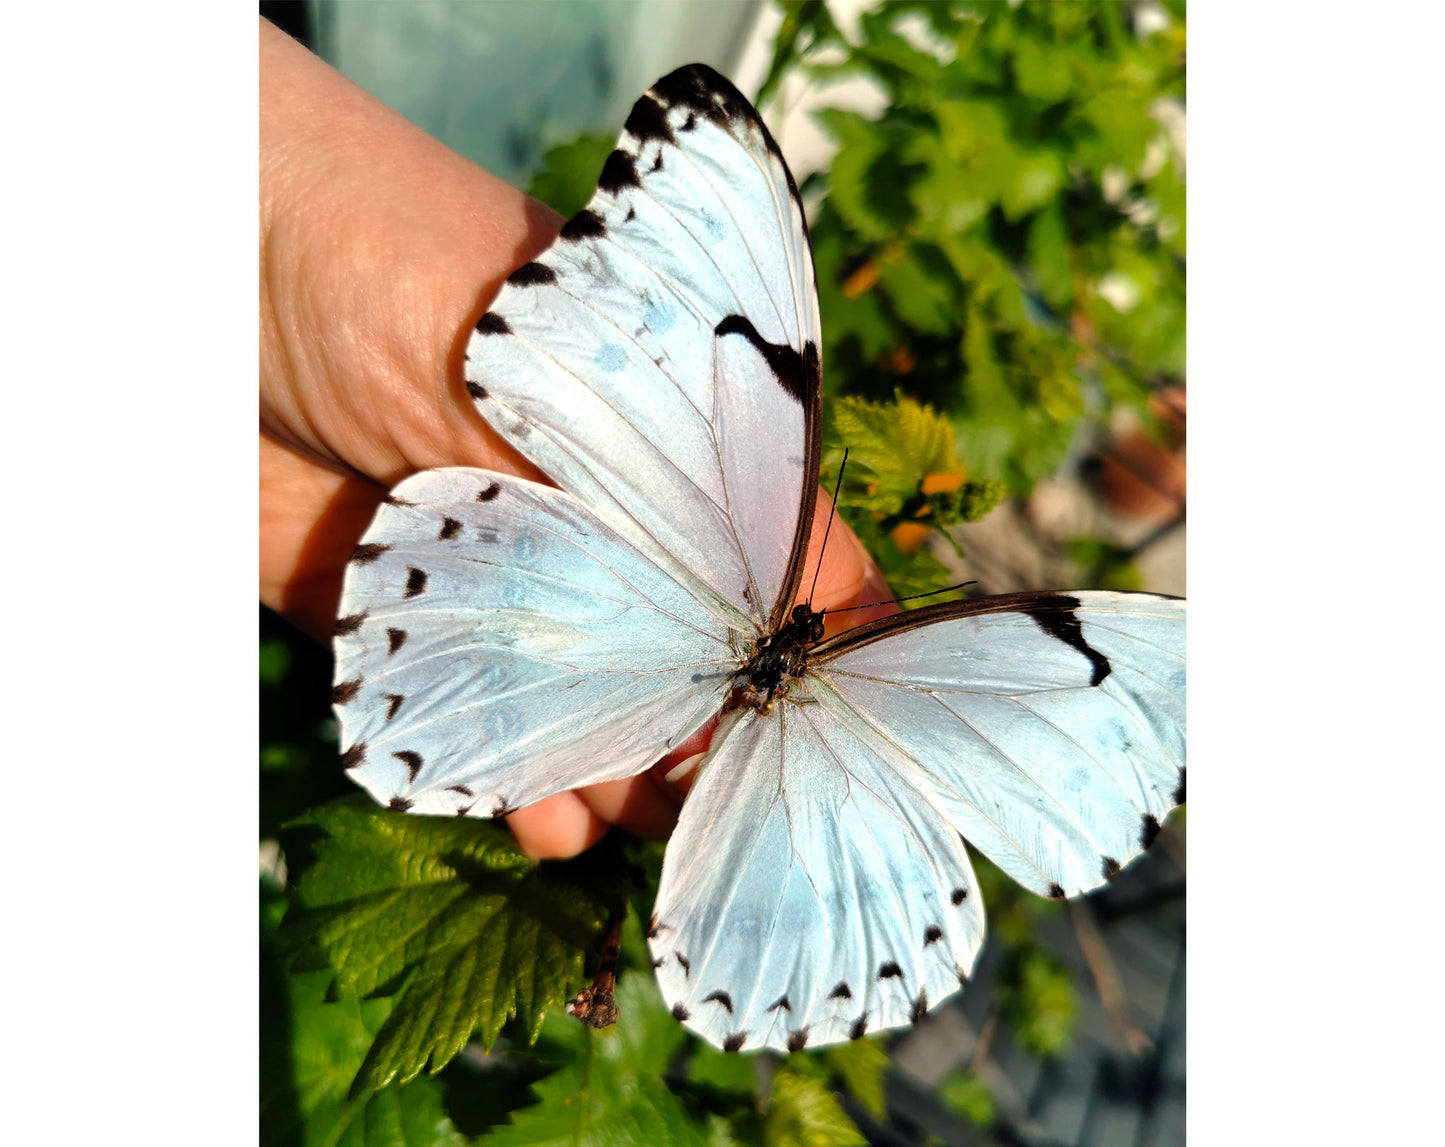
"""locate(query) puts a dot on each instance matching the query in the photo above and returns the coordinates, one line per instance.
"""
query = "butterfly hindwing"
(811, 893)
(660, 360)
(496, 644)
(1050, 726)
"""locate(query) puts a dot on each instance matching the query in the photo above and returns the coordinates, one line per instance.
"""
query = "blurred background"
(996, 198)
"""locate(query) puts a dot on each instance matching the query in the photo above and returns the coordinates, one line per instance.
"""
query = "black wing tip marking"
(680, 1013)
(919, 1008)
(490, 324)
(798, 1040)
(932, 935)
(412, 760)
(841, 992)
(489, 493)
(368, 552)
(734, 1042)
(707, 93)
(532, 275)
(958, 896)
(346, 626)
(1149, 831)
(1179, 792)
(1056, 617)
(393, 703)
(450, 528)
(1111, 868)
(354, 755)
(415, 581)
(890, 971)
(619, 172)
(344, 692)
(859, 1028)
(393, 500)
(722, 998)
(395, 639)
(799, 374)
(1056, 891)
(476, 391)
(398, 804)
(781, 1002)
(586, 224)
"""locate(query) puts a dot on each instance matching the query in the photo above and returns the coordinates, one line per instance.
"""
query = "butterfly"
(499, 641)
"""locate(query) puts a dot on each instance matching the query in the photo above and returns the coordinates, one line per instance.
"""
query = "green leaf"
(892, 447)
(863, 1066)
(1036, 994)
(804, 1113)
(275, 661)
(569, 172)
(309, 1055)
(450, 916)
(868, 178)
(609, 1090)
(965, 1094)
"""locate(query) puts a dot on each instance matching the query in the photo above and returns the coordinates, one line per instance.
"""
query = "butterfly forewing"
(497, 644)
(660, 361)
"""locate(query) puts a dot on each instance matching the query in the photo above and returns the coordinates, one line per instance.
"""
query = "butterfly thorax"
(777, 660)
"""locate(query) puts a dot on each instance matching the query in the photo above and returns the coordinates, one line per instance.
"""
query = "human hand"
(379, 250)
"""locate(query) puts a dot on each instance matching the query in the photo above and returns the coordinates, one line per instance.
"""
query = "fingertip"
(557, 827)
(636, 804)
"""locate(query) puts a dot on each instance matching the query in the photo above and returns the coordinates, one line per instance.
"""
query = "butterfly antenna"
(910, 597)
(832, 513)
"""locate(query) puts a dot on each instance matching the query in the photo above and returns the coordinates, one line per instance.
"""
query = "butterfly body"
(500, 641)
(779, 660)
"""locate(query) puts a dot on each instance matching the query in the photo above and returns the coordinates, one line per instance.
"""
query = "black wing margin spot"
(586, 224)
(532, 275)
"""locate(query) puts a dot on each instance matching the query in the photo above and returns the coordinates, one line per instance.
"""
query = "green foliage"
(965, 1094)
(1010, 229)
(1037, 997)
(804, 1113)
(447, 916)
(1000, 259)
(569, 172)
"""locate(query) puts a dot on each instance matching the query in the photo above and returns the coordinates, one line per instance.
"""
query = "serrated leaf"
(307, 1065)
(448, 914)
(804, 1113)
(609, 1090)
(891, 447)
(863, 1066)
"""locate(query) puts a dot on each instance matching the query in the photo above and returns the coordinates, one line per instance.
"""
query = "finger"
(638, 804)
(311, 519)
(556, 827)
(379, 249)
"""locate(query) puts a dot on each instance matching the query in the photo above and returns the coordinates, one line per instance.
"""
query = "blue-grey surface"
(500, 82)
(1099, 1092)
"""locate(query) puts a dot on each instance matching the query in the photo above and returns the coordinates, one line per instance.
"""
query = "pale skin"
(379, 250)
